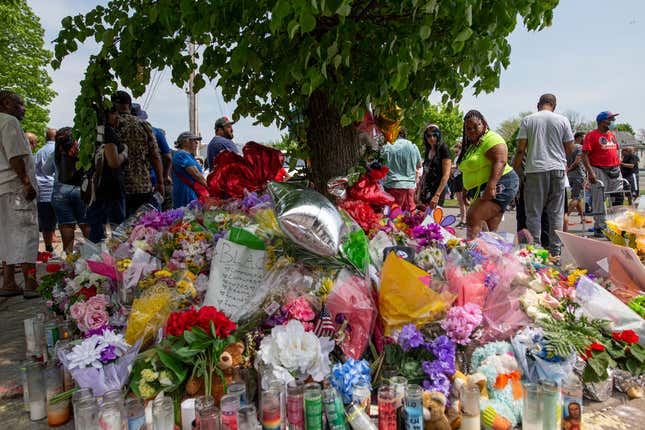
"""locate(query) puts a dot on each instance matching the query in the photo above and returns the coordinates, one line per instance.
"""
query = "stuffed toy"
(459, 383)
(434, 411)
(502, 410)
(228, 361)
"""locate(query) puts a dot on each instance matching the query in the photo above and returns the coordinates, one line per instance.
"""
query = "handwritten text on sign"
(236, 275)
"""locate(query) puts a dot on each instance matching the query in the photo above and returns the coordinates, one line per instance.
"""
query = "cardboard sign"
(235, 278)
(588, 252)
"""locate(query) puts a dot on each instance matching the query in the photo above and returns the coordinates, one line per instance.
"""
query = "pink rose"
(95, 319)
(97, 303)
(77, 310)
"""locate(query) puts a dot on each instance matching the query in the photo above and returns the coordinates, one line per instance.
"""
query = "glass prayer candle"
(313, 407)
(35, 337)
(399, 384)
(295, 405)
(414, 408)
(358, 419)
(247, 418)
(86, 412)
(571, 402)
(282, 388)
(334, 410)
(110, 417)
(362, 394)
(208, 418)
(37, 391)
(238, 389)
(79, 395)
(228, 405)
(551, 414)
(25, 386)
(113, 396)
(531, 406)
(187, 414)
(163, 414)
(387, 405)
(470, 412)
(271, 417)
(135, 413)
(203, 402)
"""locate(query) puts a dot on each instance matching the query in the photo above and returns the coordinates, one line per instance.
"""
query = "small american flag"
(324, 326)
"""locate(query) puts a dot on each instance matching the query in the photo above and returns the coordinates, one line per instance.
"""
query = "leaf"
(307, 21)
(292, 28)
(173, 364)
(638, 352)
(345, 8)
(280, 11)
(464, 35)
(424, 32)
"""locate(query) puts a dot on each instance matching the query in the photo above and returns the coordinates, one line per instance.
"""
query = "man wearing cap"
(602, 163)
(143, 153)
(545, 138)
(186, 171)
(223, 140)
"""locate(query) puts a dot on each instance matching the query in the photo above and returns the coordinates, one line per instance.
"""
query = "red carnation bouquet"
(198, 338)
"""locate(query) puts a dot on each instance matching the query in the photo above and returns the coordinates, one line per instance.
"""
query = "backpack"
(93, 176)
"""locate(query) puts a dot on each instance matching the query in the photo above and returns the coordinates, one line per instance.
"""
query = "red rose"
(627, 336)
(88, 292)
(53, 268)
(180, 321)
(223, 325)
(43, 257)
(597, 347)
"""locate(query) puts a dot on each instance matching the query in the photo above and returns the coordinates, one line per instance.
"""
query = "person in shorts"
(577, 177)
(490, 181)
(46, 215)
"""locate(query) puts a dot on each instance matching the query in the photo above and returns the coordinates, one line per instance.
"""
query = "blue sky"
(592, 58)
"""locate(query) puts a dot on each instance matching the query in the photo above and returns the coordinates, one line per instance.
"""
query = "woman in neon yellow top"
(487, 176)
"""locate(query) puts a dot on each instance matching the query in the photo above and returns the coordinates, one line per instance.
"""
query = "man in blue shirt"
(46, 214)
(223, 140)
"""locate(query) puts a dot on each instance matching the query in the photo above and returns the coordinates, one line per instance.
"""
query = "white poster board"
(235, 278)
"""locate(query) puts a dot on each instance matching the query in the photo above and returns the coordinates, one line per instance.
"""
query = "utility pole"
(193, 122)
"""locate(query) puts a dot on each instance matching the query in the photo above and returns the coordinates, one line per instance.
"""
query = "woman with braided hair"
(489, 180)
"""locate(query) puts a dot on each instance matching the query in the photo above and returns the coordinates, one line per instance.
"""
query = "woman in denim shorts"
(490, 181)
(66, 197)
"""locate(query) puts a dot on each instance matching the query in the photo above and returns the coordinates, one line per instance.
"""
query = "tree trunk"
(334, 149)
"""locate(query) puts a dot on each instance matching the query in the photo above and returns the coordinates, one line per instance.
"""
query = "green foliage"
(272, 55)
(23, 63)
(572, 334)
(509, 127)
(624, 126)
(447, 116)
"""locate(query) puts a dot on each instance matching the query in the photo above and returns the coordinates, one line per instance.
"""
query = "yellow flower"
(573, 277)
(190, 275)
(162, 274)
(146, 390)
(149, 375)
(453, 243)
(183, 286)
(325, 287)
(122, 265)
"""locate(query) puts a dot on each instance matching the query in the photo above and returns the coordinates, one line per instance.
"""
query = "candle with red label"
(387, 405)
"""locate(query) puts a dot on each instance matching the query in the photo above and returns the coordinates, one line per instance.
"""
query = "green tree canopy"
(328, 60)
(24, 59)
(448, 117)
(625, 126)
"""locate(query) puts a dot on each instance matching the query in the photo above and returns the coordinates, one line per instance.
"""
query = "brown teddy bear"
(434, 411)
(228, 361)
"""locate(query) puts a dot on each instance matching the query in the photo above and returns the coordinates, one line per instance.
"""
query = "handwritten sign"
(236, 276)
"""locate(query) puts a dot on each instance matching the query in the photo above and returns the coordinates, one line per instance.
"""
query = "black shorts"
(457, 184)
(46, 217)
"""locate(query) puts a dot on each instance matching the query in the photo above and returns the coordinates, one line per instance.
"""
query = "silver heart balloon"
(307, 218)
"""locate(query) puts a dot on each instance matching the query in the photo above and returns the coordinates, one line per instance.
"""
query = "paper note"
(236, 276)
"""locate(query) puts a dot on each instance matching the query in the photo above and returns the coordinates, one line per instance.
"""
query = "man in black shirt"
(629, 169)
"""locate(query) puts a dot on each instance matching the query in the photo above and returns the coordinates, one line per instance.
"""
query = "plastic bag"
(534, 368)
(149, 313)
(350, 299)
(405, 298)
(379, 242)
(469, 287)
(596, 302)
(121, 233)
(141, 265)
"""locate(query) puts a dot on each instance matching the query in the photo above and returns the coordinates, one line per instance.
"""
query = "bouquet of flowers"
(462, 322)
(290, 351)
(345, 375)
(536, 361)
(156, 370)
(101, 361)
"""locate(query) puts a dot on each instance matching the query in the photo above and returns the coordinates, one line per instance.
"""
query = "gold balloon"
(389, 122)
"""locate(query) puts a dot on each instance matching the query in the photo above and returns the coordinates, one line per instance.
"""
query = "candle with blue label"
(414, 408)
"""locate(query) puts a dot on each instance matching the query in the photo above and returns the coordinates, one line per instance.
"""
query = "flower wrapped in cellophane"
(150, 312)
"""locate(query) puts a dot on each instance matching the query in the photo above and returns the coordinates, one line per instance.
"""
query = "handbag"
(200, 190)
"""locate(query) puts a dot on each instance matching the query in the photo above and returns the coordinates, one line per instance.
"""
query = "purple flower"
(410, 337)
(478, 257)
(427, 234)
(98, 331)
(158, 220)
(340, 318)
(278, 318)
(195, 205)
(252, 200)
(108, 354)
(413, 219)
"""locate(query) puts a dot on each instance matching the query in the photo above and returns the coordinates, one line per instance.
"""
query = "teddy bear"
(459, 383)
(434, 411)
(231, 358)
(502, 410)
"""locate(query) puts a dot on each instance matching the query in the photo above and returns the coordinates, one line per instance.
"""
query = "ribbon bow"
(514, 377)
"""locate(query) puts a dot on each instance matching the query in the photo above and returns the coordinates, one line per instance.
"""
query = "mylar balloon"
(307, 218)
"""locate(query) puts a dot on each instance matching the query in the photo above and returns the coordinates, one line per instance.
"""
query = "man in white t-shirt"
(545, 138)
(18, 191)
